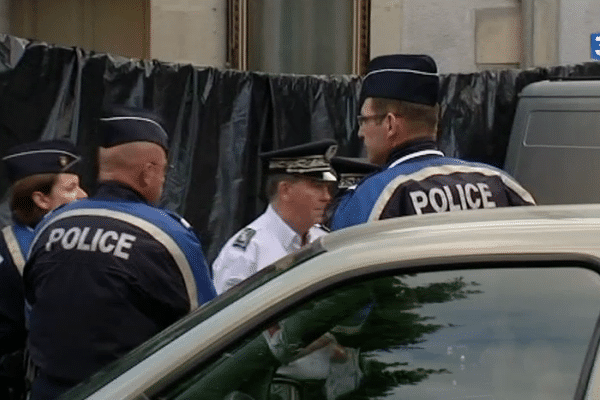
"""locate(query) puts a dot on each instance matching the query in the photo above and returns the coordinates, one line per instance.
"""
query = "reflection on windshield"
(525, 336)
(492, 334)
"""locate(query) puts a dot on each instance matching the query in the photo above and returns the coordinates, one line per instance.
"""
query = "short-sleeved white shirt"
(264, 241)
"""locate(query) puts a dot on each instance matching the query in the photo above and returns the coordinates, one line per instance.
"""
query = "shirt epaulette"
(244, 238)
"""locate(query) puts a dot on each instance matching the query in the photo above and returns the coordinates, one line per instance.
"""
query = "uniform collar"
(113, 190)
(413, 149)
(17, 225)
(17, 222)
(287, 236)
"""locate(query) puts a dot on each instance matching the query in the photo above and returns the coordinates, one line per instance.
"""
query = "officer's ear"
(41, 200)
(283, 189)
(394, 124)
(146, 175)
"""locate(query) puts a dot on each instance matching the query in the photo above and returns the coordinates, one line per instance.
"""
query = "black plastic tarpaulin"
(220, 120)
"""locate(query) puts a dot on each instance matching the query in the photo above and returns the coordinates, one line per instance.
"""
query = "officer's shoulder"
(243, 238)
(52, 213)
(473, 164)
(375, 180)
(179, 219)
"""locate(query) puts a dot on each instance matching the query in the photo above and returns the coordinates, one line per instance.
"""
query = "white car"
(489, 304)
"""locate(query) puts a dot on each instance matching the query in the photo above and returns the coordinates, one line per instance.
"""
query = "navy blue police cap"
(50, 156)
(351, 170)
(310, 160)
(123, 125)
(407, 77)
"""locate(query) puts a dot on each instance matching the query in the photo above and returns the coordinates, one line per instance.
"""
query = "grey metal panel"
(563, 129)
(554, 148)
(588, 88)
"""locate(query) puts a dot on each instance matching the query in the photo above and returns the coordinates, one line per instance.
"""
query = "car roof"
(572, 88)
(441, 229)
(503, 234)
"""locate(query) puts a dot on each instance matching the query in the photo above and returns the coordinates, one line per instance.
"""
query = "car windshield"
(508, 333)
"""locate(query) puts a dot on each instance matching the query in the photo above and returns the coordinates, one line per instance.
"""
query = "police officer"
(299, 185)
(350, 171)
(398, 125)
(42, 176)
(107, 273)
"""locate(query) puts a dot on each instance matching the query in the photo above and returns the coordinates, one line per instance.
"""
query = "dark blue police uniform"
(14, 243)
(419, 179)
(123, 269)
(106, 273)
(22, 161)
(350, 172)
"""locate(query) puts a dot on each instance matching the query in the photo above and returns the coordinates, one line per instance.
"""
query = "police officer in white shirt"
(299, 184)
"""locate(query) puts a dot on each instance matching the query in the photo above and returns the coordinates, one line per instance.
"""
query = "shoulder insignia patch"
(243, 239)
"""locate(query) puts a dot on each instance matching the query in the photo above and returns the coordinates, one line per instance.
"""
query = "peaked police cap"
(311, 160)
(350, 170)
(50, 156)
(124, 125)
(407, 77)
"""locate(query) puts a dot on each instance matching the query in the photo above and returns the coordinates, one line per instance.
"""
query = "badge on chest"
(243, 239)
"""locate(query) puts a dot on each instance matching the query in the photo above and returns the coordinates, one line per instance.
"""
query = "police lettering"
(461, 198)
(100, 240)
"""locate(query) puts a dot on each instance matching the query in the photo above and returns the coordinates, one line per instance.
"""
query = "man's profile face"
(309, 198)
(373, 133)
(65, 189)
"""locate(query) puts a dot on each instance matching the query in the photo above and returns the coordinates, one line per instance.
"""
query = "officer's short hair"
(273, 181)
(420, 117)
(21, 202)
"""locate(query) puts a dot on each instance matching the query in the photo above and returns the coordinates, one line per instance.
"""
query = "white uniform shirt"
(264, 241)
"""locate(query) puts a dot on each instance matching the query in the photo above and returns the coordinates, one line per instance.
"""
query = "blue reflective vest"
(105, 274)
(14, 242)
(419, 179)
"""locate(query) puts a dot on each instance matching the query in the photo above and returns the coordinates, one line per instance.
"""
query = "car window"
(508, 333)
(172, 333)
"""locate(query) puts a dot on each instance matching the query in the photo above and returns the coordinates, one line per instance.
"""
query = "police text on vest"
(461, 198)
(100, 240)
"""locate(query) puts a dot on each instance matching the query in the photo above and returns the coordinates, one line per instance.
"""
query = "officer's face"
(65, 190)
(373, 133)
(309, 199)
